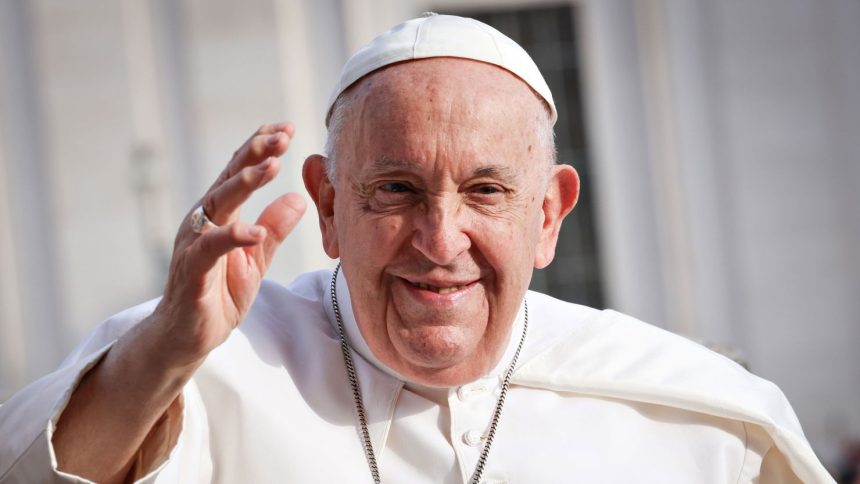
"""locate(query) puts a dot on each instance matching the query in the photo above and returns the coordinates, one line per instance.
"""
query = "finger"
(256, 144)
(269, 140)
(279, 219)
(213, 244)
(222, 203)
(270, 129)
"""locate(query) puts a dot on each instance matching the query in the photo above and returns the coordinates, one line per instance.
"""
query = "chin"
(433, 348)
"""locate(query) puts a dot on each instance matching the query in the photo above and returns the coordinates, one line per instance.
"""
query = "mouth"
(438, 289)
(435, 294)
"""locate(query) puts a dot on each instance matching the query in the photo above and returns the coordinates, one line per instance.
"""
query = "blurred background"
(717, 140)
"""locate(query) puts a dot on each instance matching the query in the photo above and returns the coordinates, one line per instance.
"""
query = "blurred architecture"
(718, 139)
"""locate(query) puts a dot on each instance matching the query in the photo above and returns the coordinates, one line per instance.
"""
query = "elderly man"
(423, 357)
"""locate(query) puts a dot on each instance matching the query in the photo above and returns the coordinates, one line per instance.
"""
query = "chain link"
(353, 381)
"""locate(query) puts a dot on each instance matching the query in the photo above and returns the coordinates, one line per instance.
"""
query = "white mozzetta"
(597, 397)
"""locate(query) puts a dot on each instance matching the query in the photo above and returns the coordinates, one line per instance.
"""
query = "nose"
(439, 233)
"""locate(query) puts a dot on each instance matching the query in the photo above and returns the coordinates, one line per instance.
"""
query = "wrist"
(152, 355)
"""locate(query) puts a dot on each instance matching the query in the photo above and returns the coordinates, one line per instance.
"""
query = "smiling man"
(423, 357)
(449, 200)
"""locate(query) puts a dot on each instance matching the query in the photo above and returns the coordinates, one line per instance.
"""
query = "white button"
(465, 392)
(473, 437)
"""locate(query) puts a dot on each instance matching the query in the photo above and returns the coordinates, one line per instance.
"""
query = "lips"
(439, 286)
(436, 289)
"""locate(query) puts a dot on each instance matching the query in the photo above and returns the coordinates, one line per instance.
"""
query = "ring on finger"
(200, 222)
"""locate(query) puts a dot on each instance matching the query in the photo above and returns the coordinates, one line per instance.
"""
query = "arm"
(214, 278)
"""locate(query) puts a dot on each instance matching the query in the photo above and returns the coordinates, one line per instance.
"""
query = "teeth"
(440, 290)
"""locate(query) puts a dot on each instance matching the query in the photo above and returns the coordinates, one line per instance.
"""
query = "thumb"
(279, 218)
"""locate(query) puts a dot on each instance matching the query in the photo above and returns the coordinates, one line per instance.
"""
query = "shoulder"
(287, 325)
(552, 320)
(610, 354)
(297, 307)
(615, 343)
(614, 354)
(607, 354)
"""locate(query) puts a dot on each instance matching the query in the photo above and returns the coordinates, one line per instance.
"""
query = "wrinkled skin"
(445, 200)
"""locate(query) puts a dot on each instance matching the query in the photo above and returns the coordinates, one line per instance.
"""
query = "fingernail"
(265, 164)
(273, 140)
(255, 231)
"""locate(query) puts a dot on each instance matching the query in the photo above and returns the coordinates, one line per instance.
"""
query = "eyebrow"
(501, 173)
(388, 164)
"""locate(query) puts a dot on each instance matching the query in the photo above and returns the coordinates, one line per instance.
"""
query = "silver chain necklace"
(359, 404)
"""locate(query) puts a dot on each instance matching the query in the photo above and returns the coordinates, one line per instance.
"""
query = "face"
(444, 202)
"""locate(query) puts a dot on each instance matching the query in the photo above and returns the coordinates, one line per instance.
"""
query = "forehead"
(437, 82)
(442, 106)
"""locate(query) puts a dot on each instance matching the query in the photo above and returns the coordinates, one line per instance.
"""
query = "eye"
(390, 195)
(395, 187)
(487, 190)
(486, 194)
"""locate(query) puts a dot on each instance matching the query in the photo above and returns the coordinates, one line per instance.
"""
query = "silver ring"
(200, 222)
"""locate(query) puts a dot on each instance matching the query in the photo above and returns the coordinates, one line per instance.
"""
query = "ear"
(322, 192)
(561, 196)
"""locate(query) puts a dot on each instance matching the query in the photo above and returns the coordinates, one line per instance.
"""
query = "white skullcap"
(442, 36)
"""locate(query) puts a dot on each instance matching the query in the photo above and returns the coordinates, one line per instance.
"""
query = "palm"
(241, 281)
(240, 275)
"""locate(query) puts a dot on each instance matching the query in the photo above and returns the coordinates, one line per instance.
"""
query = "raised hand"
(214, 277)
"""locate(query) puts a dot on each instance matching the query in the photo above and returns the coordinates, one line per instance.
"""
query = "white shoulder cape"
(602, 354)
(617, 356)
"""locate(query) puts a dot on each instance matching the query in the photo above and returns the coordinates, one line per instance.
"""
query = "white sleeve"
(28, 419)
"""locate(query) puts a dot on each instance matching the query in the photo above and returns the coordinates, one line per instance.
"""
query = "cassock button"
(465, 392)
(473, 437)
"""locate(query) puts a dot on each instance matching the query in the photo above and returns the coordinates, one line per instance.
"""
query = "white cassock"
(597, 397)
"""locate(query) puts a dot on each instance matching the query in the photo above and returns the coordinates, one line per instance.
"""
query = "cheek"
(372, 238)
(386, 233)
(504, 242)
